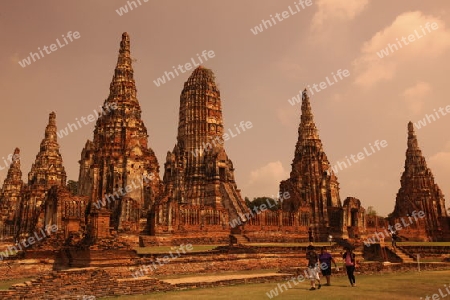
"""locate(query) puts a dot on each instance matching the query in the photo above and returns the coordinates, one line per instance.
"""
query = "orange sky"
(256, 73)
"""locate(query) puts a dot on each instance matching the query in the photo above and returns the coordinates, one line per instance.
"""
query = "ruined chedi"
(46, 172)
(10, 196)
(312, 185)
(199, 184)
(419, 192)
(118, 170)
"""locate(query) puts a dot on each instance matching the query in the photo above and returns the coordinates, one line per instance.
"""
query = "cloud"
(415, 96)
(337, 10)
(373, 65)
(265, 180)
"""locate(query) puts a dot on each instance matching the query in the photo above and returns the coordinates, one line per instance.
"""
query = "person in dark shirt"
(310, 235)
(313, 267)
(394, 239)
(326, 258)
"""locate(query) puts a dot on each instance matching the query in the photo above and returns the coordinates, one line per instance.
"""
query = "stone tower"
(198, 173)
(118, 169)
(10, 196)
(47, 171)
(419, 192)
(312, 183)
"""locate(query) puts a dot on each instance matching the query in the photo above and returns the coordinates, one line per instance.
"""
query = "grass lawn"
(318, 244)
(6, 284)
(167, 249)
(423, 243)
(248, 272)
(202, 248)
(412, 285)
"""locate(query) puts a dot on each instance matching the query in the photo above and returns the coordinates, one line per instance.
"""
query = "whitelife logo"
(247, 216)
(341, 74)
(360, 156)
(284, 15)
(411, 38)
(90, 118)
(188, 66)
(124, 9)
(34, 56)
(219, 140)
(397, 227)
(429, 118)
(162, 261)
(31, 240)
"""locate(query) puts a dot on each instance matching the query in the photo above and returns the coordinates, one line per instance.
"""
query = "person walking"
(325, 258)
(350, 264)
(313, 267)
(310, 235)
(394, 240)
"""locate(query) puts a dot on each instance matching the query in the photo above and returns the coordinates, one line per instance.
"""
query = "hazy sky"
(257, 74)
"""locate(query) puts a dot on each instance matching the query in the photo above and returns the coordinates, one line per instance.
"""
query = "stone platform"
(223, 266)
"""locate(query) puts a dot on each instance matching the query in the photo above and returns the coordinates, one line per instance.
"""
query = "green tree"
(371, 211)
(262, 202)
(72, 185)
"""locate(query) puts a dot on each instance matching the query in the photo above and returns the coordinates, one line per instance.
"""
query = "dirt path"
(215, 278)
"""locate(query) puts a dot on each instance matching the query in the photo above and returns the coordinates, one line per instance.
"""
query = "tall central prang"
(198, 173)
(118, 169)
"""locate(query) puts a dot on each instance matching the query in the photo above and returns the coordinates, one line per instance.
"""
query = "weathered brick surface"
(419, 192)
(206, 238)
(72, 283)
(119, 280)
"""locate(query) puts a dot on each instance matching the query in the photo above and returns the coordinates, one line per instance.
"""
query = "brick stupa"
(200, 189)
(118, 168)
(419, 192)
(312, 185)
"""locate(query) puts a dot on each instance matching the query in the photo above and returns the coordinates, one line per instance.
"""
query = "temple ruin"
(119, 189)
(418, 192)
(118, 170)
(312, 185)
(200, 194)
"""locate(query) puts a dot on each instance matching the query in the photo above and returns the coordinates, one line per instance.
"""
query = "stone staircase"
(400, 254)
(234, 204)
(240, 239)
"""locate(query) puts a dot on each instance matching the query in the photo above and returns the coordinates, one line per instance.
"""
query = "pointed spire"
(412, 138)
(311, 183)
(14, 172)
(11, 194)
(418, 190)
(307, 129)
(123, 86)
(50, 130)
(48, 161)
(414, 155)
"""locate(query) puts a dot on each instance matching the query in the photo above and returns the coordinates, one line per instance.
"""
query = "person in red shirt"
(350, 264)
